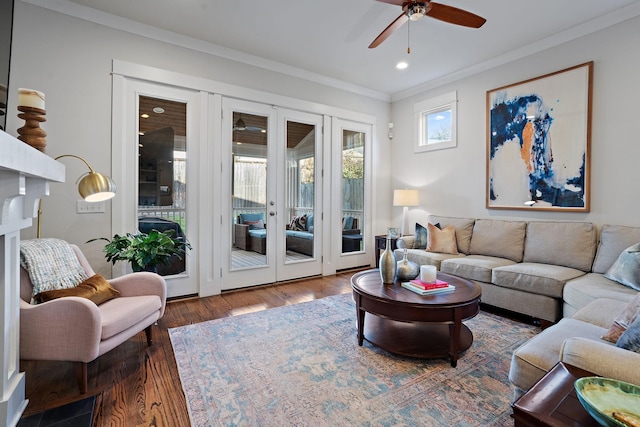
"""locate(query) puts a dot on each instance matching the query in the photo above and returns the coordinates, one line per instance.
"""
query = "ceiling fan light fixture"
(240, 125)
(417, 11)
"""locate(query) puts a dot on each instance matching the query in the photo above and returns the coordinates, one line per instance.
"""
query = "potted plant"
(145, 251)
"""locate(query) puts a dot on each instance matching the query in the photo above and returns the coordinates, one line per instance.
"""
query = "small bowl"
(601, 397)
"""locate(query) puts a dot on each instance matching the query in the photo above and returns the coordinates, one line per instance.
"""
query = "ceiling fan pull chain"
(408, 37)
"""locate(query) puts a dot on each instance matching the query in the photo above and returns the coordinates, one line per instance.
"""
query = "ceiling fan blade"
(396, 2)
(453, 15)
(399, 22)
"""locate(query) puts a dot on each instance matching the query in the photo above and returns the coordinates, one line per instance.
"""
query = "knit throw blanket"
(51, 264)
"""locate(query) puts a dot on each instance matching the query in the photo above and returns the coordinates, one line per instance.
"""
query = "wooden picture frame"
(538, 142)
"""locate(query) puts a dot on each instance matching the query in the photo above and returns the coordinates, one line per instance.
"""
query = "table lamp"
(405, 198)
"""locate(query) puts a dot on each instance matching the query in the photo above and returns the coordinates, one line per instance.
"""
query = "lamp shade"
(96, 187)
(405, 198)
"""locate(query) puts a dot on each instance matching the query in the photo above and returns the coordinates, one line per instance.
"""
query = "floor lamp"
(405, 198)
(93, 187)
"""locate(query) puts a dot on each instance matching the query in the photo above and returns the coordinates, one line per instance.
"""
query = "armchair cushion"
(95, 288)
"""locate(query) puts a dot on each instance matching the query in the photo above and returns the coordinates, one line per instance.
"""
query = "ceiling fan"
(240, 125)
(414, 10)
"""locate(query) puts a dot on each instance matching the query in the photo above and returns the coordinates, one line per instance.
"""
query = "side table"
(553, 402)
(381, 244)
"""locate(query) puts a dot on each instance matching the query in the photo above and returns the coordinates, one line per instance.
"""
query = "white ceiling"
(327, 40)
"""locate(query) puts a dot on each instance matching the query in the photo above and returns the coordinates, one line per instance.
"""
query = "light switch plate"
(84, 207)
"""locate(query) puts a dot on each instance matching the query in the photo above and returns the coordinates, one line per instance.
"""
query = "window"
(435, 123)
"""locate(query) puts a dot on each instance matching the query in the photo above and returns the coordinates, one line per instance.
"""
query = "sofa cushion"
(497, 238)
(626, 269)
(582, 290)
(601, 312)
(441, 240)
(119, 314)
(613, 240)
(570, 244)
(463, 226)
(421, 257)
(474, 267)
(543, 279)
(244, 217)
(534, 358)
(622, 321)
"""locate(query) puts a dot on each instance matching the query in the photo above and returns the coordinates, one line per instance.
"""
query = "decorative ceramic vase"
(387, 264)
(406, 270)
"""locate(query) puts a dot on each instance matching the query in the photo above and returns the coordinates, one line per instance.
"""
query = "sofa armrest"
(602, 359)
(405, 242)
(75, 335)
(241, 233)
(141, 283)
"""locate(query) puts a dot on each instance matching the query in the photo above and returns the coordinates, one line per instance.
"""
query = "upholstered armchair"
(75, 329)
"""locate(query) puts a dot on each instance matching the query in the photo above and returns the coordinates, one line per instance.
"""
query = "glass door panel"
(353, 152)
(162, 165)
(300, 190)
(249, 160)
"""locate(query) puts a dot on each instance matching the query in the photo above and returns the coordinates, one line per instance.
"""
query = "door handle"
(272, 213)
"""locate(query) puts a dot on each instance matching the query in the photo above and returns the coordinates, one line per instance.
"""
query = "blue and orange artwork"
(537, 152)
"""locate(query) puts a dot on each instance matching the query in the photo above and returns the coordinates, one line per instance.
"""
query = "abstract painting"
(538, 142)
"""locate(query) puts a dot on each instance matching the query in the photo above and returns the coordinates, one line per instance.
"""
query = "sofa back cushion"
(463, 227)
(613, 240)
(504, 239)
(570, 244)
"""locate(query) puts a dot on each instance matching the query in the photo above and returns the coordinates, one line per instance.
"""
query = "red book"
(427, 286)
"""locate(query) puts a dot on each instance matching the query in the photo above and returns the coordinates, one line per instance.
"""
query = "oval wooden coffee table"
(409, 324)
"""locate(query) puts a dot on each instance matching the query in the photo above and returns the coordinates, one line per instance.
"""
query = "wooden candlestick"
(31, 133)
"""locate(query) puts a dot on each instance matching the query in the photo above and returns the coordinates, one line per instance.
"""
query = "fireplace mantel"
(25, 174)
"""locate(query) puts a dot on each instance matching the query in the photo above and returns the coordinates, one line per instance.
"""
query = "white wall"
(453, 181)
(70, 60)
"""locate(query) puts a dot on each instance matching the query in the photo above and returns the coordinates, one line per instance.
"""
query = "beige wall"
(453, 181)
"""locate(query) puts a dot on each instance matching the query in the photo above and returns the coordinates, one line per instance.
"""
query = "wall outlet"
(84, 207)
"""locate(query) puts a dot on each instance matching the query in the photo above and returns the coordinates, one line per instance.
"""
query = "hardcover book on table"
(414, 288)
(424, 285)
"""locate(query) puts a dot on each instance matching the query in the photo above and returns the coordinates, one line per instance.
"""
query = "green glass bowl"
(602, 396)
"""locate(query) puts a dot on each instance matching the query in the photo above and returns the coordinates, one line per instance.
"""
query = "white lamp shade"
(405, 198)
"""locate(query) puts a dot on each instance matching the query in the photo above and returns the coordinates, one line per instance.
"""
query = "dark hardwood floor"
(137, 385)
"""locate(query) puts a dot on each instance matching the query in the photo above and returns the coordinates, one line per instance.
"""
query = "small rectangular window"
(435, 123)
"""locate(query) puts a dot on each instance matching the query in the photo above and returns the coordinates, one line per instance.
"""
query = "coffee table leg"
(454, 337)
(360, 321)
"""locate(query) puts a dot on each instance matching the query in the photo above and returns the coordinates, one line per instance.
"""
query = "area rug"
(301, 365)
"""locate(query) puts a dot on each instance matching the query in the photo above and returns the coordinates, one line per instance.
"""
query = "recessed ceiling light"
(158, 110)
(401, 65)
(144, 116)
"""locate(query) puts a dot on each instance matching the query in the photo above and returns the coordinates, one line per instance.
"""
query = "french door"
(271, 194)
(159, 156)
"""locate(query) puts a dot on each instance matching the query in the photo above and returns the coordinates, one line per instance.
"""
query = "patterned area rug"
(301, 365)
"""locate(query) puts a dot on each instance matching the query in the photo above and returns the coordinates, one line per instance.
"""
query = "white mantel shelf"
(25, 174)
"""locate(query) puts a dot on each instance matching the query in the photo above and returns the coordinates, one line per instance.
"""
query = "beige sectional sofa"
(553, 271)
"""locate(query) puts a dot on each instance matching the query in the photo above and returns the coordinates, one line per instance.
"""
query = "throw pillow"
(630, 339)
(298, 223)
(626, 269)
(420, 241)
(443, 241)
(95, 288)
(623, 320)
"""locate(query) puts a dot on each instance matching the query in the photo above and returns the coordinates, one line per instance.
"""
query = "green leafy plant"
(144, 251)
